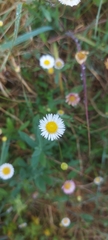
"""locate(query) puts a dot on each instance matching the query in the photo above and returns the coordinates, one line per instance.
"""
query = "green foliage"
(35, 193)
(24, 38)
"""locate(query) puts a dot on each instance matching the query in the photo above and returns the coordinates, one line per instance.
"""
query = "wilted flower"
(52, 127)
(98, 180)
(81, 56)
(59, 64)
(72, 99)
(64, 166)
(47, 62)
(70, 2)
(68, 187)
(65, 222)
(1, 23)
(6, 171)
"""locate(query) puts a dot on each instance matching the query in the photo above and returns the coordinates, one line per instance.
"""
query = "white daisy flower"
(6, 171)
(98, 180)
(59, 64)
(70, 2)
(52, 127)
(65, 222)
(47, 61)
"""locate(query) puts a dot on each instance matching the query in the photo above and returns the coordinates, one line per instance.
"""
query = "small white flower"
(59, 64)
(6, 171)
(52, 127)
(68, 187)
(65, 222)
(70, 2)
(98, 180)
(47, 61)
(73, 99)
(60, 112)
(22, 225)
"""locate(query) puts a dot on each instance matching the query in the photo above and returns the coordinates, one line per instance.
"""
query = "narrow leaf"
(24, 38)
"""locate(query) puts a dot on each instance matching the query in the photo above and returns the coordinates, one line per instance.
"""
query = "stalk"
(83, 77)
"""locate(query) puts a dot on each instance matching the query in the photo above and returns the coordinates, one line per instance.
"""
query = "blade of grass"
(17, 21)
(97, 17)
(24, 38)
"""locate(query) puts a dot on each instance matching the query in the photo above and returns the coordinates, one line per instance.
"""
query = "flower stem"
(83, 76)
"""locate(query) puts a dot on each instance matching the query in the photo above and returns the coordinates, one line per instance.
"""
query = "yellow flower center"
(65, 220)
(46, 62)
(72, 98)
(61, 112)
(81, 55)
(67, 185)
(58, 64)
(51, 127)
(97, 179)
(6, 170)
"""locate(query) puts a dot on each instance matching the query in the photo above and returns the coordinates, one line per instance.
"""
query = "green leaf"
(40, 183)
(43, 160)
(22, 145)
(24, 38)
(77, 89)
(63, 198)
(87, 217)
(22, 173)
(97, 2)
(36, 156)
(27, 139)
(46, 13)
(10, 125)
(17, 21)
(25, 125)
(19, 205)
(35, 123)
(3, 193)
(72, 174)
(4, 151)
(20, 162)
